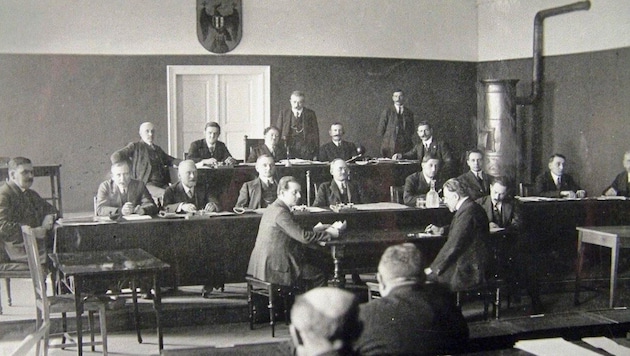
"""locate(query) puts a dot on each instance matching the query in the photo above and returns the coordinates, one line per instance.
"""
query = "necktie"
(343, 188)
(497, 215)
(558, 183)
(190, 193)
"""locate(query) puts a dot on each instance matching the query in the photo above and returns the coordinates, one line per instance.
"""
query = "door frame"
(176, 71)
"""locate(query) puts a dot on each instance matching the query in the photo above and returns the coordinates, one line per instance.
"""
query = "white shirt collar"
(427, 179)
(555, 177)
(459, 203)
(428, 142)
(339, 184)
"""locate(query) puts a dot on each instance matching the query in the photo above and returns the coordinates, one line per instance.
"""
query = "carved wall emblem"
(219, 25)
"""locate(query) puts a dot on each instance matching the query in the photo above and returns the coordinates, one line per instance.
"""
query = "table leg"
(614, 262)
(578, 270)
(157, 305)
(136, 314)
(339, 278)
(78, 304)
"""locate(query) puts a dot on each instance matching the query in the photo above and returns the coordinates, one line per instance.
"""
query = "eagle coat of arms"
(219, 26)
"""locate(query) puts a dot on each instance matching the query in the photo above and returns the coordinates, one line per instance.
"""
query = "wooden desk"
(75, 268)
(613, 237)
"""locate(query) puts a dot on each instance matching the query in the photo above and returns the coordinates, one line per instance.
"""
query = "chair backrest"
(525, 189)
(396, 194)
(37, 271)
(251, 143)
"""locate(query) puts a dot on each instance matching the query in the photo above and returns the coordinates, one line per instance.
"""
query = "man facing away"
(280, 255)
(271, 147)
(262, 191)
(395, 126)
(122, 195)
(149, 163)
(19, 205)
(186, 196)
(430, 145)
(461, 262)
(340, 189)
(337, 148)
(324, 322)
(412, 317)
(418, 184)
(554, 182)
(621, 185)
(209, 151)
(476, 179)
(299, 128)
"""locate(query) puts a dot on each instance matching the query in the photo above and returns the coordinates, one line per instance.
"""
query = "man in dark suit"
(186, 196)
(280, 254)
(122, 195)
(271, 147)
(476, 179)
(461, 263)
(499, 207)
(299, 129)
(340, 189)
(395, 126)
(555, 183)
(430, 145)
(621, 185)
(149, 163)
(411, 317)
(210, 151)
(262, 191)
(337, 148)
(19, 205)
(418, 184)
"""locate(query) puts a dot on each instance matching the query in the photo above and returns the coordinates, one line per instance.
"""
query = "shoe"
(205, 291)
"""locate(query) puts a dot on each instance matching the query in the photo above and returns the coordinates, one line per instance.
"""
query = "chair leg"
(64, 326)
(103, 324)
(9, 301)
(272, 317)
(497, 303)
(136, 314)
(1, 297)
(91, 325)
(250, 306)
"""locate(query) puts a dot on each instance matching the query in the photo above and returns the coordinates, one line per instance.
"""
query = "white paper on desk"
(552, 347)
(92, 220)
(497, 229)
(315, 209)
(611, 197)
(220, 213)
(607, 345)
(134, 217)
(380, 206)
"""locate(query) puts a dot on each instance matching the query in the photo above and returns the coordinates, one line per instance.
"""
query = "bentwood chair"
(59, 304)
(8, 270)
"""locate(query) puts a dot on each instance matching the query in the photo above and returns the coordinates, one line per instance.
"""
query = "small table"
(76, 267)
(614, 237)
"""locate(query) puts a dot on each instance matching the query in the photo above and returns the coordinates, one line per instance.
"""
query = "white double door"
(237, 97)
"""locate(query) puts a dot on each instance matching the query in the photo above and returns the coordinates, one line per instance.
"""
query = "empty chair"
(273, 293)
(8, 270)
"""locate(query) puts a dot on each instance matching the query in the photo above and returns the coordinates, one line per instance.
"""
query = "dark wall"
(76, 110)
(584, 112)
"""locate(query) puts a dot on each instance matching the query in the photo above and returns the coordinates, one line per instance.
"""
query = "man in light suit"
(122, 195)
(340, 189)
(280, 254)
(476, 179)
(271, 147)
(299, 129)
(262, 191)
(210, 151)
(418, 184)
(149, 163)
(430, 145)
(337, 148)
(412, 317)
(395, 126)
(555, 183)
(186, 196)
(461, 262)
(621, 185)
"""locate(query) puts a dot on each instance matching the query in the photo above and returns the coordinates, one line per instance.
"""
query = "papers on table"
(611, 197)
(552, 347)
(380, 206)
(85, 220)
(136, 217)
(497, 229)
(607, 345)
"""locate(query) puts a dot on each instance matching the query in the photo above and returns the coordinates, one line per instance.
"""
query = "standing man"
(210, 151)
(149, 163)
(262, 191)
(271, 147)
(418, 184)
(555, 183)
(476, 179)
(122, 195)
(186, 196)
(429, 144)
(621, 185)
(299, 129)
(412, 317)
(280, 255)
(395, 126)
(461, 263)
(19, 205)
(340, 189)
(338, 148)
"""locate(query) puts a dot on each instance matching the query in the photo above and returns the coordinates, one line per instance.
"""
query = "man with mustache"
(338, 147)
(122, 195)
(19, 205)
(186, 196)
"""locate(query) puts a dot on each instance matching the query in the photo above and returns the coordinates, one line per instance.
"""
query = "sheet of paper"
(380, 206)
(315, 209)
(607, 345)
(552, 347)
(135, 217)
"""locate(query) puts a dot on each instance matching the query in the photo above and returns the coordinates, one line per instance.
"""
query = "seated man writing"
(340, 189)
(262, 191)
(186, 196)
(122, 195)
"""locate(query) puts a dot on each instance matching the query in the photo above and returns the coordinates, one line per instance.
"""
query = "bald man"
(340, 189)
(186, 196)
(262, 191)
(149, 163)
(324, 322)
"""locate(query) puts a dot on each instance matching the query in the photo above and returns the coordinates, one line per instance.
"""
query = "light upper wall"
(506, 28)
(418, 29)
